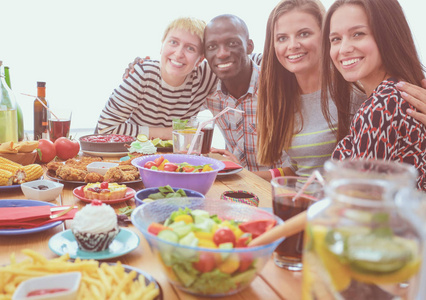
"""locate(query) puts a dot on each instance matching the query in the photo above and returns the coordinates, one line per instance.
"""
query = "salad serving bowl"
(197, 269)
(199, 181)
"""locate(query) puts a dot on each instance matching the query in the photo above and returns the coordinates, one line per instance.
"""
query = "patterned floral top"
(381, 129)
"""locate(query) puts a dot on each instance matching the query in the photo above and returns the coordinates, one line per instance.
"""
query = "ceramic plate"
(52, 175)
(64, 242)
(23, 203)
(79, 193)
(230, 172)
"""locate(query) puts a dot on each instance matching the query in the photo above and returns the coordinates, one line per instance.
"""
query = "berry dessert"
(104, 191)
(91, 232)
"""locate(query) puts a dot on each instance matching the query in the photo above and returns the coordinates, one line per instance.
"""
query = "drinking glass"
(182, 140)
(208, 130)
(59, 127)
(288, 254)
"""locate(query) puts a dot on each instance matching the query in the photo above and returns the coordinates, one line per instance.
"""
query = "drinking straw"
(315, 175)
(201, 126)
(45, 106)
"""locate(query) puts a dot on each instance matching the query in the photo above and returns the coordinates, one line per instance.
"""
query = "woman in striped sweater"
(159, 91)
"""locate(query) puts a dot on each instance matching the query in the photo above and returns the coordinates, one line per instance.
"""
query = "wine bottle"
(18, 107)
(41, 115)
(8, 115)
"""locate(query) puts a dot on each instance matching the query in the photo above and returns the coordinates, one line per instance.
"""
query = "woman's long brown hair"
(397, 50)
(279, 94)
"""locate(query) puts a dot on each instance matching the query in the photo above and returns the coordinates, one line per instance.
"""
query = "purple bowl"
(200, 182)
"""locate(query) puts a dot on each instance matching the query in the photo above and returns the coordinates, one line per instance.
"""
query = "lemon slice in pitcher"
(142, 138)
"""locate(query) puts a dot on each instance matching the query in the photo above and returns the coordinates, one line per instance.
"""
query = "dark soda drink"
(59, 128)
(207, 140)
(285, 208)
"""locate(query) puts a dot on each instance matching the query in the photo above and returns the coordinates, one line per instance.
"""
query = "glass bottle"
(359, 244)
(41, 115)
(8, 114)
(18, 107)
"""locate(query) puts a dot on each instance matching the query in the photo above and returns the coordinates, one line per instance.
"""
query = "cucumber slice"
(168, 235)
(226, 246)
(373, 254)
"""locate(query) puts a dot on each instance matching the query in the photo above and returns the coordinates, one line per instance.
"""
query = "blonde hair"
(193, 25)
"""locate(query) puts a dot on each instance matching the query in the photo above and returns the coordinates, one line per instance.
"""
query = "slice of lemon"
(142, 137)
(156, 141)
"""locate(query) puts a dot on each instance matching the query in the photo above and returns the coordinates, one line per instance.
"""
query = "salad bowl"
(187, 262)
(199, 181)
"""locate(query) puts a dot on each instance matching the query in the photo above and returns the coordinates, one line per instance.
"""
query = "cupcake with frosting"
(95, 226)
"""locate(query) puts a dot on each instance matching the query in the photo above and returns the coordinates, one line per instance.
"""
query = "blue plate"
(10, 187)
(24, 203)
(64, 242)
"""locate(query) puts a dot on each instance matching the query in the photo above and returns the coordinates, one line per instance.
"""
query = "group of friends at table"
(344, 83)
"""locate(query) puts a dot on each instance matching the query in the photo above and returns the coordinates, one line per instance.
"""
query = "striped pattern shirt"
(144, 100)
(239, 130)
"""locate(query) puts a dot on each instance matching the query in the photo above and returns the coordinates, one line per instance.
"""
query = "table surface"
(272, 282)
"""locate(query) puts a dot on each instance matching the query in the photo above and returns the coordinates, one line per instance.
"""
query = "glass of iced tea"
(288, 254)
(60, 126)
(207, 130)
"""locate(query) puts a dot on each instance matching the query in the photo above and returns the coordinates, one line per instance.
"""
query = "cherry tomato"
(257, 227)
(243, 240)
(170, 167)
(246, 260)
(224, 235)
(205, 263)
(46, 151)
(158, 160)
(149, 164)
(188, 169)
(66, 148)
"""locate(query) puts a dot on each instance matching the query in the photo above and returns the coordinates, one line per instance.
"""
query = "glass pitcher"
(358, 243)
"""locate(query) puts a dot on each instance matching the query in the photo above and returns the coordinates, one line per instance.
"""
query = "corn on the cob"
(16, 170)
(33, 172)
(5, 161)
(6, 177)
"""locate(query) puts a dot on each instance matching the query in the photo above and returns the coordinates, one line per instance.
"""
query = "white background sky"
(81, 47)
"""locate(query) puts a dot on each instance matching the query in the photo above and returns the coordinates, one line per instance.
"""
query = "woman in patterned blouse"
(369, 44)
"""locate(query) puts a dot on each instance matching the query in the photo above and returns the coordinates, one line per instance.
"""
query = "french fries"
(101, 282)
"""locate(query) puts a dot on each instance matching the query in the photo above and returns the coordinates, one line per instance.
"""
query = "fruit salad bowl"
(188, 262)
(199, 181)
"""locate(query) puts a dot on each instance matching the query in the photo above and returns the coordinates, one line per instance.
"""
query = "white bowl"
(51, 193)
(69, 281)
(100, 167)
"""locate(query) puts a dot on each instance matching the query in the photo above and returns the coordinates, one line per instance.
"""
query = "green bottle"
(18, 107)
(8, 115)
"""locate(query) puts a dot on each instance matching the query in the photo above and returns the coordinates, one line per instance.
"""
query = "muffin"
(104, 191)
(95, 226)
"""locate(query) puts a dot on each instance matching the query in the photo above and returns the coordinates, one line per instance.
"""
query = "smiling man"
(227, 47)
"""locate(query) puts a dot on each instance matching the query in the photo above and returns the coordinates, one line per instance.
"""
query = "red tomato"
(46, 151)
(149, 164)
(155, 228)
(158, 160)
(224, 235)
(257, 227)
(243, 240)
(170, 167)
(205, 263)
(66, 148)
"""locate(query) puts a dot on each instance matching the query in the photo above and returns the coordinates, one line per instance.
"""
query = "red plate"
(79, 193)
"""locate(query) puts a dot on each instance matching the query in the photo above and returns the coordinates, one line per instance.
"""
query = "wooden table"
(272, 282)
